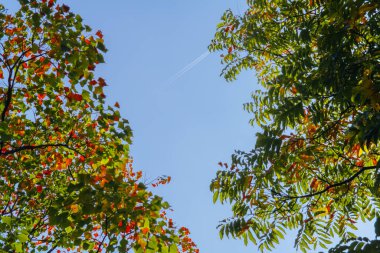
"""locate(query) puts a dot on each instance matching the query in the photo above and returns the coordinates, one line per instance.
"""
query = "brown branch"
(357, 174)
(11, 83)
(43, 146)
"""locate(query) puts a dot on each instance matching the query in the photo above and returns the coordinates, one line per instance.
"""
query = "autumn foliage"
(66, 176)
(315, 165)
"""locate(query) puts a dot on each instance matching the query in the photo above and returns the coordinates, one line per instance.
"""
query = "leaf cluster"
(314, 167)
(66, 177)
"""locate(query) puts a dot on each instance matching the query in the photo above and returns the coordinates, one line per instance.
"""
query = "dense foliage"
(315, 166)
(66, 178)
(359, 244)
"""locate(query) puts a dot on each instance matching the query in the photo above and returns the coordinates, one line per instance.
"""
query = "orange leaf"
(74, 208)
(359, 163)
(68, 161)
(145, 230)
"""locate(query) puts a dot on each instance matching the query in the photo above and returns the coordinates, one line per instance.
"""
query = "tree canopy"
(66, 177)
(314, 167)
(359, 244)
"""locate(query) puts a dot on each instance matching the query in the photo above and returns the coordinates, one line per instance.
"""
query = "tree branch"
(357, 174)
(43, 146)
(52, 249)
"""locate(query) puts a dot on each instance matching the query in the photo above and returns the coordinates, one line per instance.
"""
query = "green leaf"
(68, 229)
(173, 248)
(18, 247)
(215, 196)
(22, 237)
(7, 220)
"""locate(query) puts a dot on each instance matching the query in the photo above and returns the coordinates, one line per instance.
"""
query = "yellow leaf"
(360, 152)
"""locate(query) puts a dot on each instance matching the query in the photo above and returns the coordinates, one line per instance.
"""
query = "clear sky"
(182, 126)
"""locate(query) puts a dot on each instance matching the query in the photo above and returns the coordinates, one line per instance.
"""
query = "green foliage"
(359, 244)
(314, 167)
(66, 177)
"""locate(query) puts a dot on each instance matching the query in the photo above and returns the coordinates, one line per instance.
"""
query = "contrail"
(187, 68)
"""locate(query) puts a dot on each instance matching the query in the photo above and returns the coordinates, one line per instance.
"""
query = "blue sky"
(182, 127)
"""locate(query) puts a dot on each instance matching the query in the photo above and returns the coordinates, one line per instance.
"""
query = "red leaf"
(99, 34)
(47, 172)
(75, 96)
(39, 188)
(51, 3)
(78, 97)
(41, 96)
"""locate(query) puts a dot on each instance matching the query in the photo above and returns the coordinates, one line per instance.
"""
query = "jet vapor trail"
(187, 68)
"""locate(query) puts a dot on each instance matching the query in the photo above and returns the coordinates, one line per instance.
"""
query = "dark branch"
(43, 146)
(52, 249)
(105, 236)
(348, 180)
